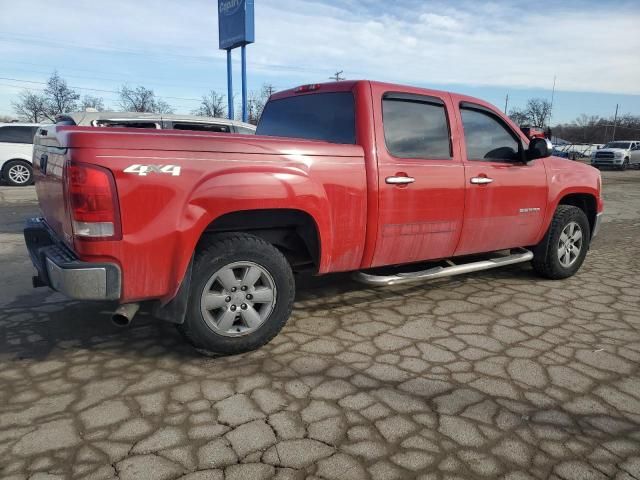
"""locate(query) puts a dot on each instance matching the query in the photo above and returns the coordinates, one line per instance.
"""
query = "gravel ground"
(494, 375)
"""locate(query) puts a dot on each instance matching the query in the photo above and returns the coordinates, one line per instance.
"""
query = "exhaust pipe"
(124, 314)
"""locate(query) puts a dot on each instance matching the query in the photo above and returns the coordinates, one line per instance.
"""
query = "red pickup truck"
(207, 229)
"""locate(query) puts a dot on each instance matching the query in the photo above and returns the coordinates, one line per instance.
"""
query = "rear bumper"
(59, 268)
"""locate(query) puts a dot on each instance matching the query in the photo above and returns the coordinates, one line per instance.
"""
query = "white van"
(16, 149)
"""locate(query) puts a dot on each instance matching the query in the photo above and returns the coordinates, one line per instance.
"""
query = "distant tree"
(596, 129)
(257, 101)
(60, 98)
(89, 101)
(7, 119)
(519, 116)
(535, 113)
(538, 110)
(31, 106)
(212, 105)
(141, 99)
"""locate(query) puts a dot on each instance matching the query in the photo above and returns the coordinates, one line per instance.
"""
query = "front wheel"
(18, 173)
(625, 164)
(241, 296)
(561, 252)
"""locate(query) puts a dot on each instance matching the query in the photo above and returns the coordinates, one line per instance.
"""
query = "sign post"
(236, 29)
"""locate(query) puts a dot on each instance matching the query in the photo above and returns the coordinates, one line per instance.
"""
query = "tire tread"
(543, 254)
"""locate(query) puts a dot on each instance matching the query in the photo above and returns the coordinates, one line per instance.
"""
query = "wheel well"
(293, 232)
(21, 160)
(585, 202)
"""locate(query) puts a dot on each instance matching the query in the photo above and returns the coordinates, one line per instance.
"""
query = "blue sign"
(235, 23)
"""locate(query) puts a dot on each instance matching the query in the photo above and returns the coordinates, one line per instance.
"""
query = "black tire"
(546, 260)
(216, 253)
(25, 167)
(625, 164)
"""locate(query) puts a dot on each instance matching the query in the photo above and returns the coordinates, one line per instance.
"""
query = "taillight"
(93, 202)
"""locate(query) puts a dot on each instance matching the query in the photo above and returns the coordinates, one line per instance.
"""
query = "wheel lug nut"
(233, 308)
(243, 306)
(233, 289)
(227, 299)
(243, 288)
(249, 296)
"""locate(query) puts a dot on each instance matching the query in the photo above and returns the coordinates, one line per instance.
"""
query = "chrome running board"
(522, 255)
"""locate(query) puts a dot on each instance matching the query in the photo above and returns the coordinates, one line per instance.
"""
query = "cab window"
(415, 127)
(201, 127)
(486, 138)
(17, 134)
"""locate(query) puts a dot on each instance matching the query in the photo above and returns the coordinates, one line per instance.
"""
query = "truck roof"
(345, 85)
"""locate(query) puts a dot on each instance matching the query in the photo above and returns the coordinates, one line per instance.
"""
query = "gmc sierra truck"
(207, 229)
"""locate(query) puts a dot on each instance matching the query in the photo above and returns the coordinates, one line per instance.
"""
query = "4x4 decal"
(143, 170)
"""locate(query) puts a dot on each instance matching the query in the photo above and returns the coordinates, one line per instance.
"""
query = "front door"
(505, 197)
(421, 180)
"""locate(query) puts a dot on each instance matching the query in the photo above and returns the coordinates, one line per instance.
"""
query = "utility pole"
(270, 89)
(506, 103)
(615, 120)
(336, 76)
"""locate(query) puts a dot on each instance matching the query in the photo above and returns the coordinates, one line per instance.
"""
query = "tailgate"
(48, 167)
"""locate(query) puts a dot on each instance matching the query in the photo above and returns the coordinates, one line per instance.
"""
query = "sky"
(483, 49)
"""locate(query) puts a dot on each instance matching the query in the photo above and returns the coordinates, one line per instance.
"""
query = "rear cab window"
(17, 134)
(416, 126)
(126, 124)
(326, 116)
(201, 127)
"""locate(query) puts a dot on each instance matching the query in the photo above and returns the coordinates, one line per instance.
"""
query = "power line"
(96, 89)
(205, 59)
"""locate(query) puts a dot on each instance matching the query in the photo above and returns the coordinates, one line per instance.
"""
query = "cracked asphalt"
(498, 374)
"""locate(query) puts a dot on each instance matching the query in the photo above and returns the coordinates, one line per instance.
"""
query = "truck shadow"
(35, 324)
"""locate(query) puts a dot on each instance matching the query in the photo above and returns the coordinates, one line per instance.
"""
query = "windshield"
(320, 116)
(624, 145)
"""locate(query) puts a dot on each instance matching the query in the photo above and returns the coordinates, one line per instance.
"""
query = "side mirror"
(539, 148)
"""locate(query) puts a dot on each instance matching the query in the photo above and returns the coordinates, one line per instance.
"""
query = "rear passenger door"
(420, 178)
(505, 197)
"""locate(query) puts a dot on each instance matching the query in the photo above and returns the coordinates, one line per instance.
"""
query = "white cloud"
(590, 48)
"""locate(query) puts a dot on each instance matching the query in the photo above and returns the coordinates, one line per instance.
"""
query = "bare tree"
(89, 101)
(519, 116)
(538, 111)
(7, 119)
(141, 99)
(257, 101)
(212, 105)
(59, 97)
(30, 106)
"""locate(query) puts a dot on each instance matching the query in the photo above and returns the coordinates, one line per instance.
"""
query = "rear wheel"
(18, 173)
(561, 252)
(241, 295)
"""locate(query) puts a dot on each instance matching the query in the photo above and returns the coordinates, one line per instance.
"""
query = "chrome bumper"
(59, 268)
(596, 225)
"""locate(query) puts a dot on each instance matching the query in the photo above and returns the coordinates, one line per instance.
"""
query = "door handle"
(481, 180)
(399, 180)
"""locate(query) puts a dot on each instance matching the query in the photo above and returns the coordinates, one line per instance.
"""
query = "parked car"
(16, 148)
(620, 154)
(156, 121)
(342, 176)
